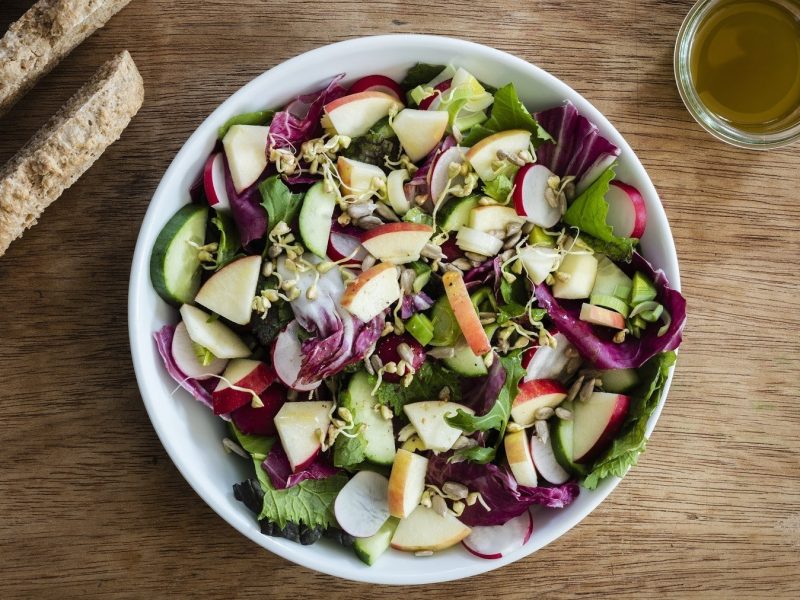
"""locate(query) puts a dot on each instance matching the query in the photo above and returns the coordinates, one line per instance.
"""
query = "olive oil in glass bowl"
(737, 65)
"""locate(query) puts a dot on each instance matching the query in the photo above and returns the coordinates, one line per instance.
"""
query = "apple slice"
(185, 357)
(575, 276)
(214, 182)
(597, 315)
(406, 483)
(260, 420)
(246, 150)
(425, 529)
(361, 506)
(428, 418)
(530, 185)
(230, 291)
(396, 191)
(369, 294)
(298, 425)
(497, 541)
(419, 131)
(211, 334)
(479, 242)
(344, 243)
(357, 177)
(493, 217)
(533, 395)
(251, 375)
(518, 453)
(546, 362)
(432, 102)
(483, 154)
(439, 174)
(596, 422)
(287, 358)
(545, 461)
(627, 212)
(465, 313)
(378, 83)
(354, 114)
(539, 262)
(397, 243)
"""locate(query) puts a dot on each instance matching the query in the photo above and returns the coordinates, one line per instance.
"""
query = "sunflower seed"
(386, 212)
(498, 233)
(464, 442)
(544, 413)
(512, 241)
(274, 251)
(432, 251)
(267, 269)
(376, 361)
(514, 427)
(542, 431)
(513, 228)
(455, 490)
(619, 337)
(439, 505)
(442, 352)
(528, 227)
(487, 320)
(407, 278)
(370, 222)
(562, 203)
(444, 394)
(390, 367)
(574, 389)
(401, 368)
(386, 412)
(474, 256)
(472, 498)
(360, 210)
(404, 350)
(574, 364)
(462, 264)
(551, 198)
(586, 390)
(447, 267)
(231, 446)
(368, 262)
(564, 414)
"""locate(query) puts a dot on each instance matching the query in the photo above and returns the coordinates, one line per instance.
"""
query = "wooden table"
(92, 507)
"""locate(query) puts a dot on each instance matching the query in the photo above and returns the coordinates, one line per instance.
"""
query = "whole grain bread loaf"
(44, 35)
(68, 144)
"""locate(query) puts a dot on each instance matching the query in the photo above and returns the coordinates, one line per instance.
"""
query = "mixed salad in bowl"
(420, 309)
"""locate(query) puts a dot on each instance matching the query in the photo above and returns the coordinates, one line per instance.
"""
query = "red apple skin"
(344, 100)
(208, 181)
(538, 387)
(611, 430)
(261, 421)
(307, 461)
(441, 87)
(378, 83)
(640, 222)
(394, 228)
(228, 399)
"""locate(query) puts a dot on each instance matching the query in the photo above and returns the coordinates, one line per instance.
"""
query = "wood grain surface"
(92, 507)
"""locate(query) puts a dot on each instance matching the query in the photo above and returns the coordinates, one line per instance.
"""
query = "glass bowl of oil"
(737, 66)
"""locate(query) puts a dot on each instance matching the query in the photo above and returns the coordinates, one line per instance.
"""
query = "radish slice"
(548, 362)
(287, 357)
(530, 186)
(627, 213)
(431, 102)
(185, 358)
(545, 461)
(343, 242)
(438, 175)
(362, 505)
(378, 83)
(498, 540)
(214, 182)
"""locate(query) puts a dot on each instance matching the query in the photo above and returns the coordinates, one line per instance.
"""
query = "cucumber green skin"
(619, 381)
(189, 223)
(379, 433)
(445, 326)
(421, 328)
(315, 219)
(455, 213)
(562, 445)
(465, 362)
(368, 550)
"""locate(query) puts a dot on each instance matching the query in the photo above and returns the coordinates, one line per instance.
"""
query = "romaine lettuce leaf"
(279, 201)
(631, 441)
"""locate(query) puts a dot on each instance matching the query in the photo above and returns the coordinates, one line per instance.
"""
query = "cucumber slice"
(379, 432)
(417, 215)
(315, 218)
(611, 302)
(465, 362)
(538, 237)
(455, 213)
(619, 381)
(369, 549)
(445, 327)
(174, 263)
(561, 435)
(611, 281)
(421, 328)
(643, 289)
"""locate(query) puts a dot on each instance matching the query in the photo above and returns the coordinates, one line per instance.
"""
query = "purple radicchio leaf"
(414, 303)
(200, 390)
(280, 471)
(480, 394)
(419, 183)
(246, 209)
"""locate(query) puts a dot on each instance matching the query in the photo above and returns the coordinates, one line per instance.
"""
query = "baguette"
(68, 144)
(44, 35)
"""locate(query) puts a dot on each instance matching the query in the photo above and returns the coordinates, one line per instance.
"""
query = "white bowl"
(188, 430)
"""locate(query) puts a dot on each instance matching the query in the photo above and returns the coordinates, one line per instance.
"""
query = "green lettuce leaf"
(631, 441)
(499, 188)
(508, 112)
(420, 74)
(588, 213)
(262, 117)
(426, 385)
(372, 147)
(281, 204)
(310, 502)
(258, 446)
(227, 239)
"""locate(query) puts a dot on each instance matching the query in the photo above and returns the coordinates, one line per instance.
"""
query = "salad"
(420, 309)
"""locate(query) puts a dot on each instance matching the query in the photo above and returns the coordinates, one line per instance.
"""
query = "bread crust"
(43, 36)
(68, 144)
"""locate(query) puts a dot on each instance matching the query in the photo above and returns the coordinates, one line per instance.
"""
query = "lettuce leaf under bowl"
(579, 149)
(200, 390)
(280, 471)
(596, 345)
(631, 441)
(498, 488)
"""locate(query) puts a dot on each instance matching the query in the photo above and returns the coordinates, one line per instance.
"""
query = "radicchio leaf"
(419, 184)
(596, 345)
(499, 490)
(480, 394)
(201, 390)
(280, 471)
(414, 303)
(246, 209)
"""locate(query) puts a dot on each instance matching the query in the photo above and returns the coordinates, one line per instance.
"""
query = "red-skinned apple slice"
(465, 313)
(406, 483)
(212, 334)
(354, 114)
(246, 151)
(372, 291)
(439, 174)
(518, 453)
(533, 395)
(545, 461)
(357, 177)
(261, 420)
(298, 424)
(530, 185)
(492, 542)
(242, 379)
(186, 358)
(483, 154)
(345, 242)
(378, 83)
(229, 292)
(361, 506)
(435, 98)
(597, 315)
(214, 182)
(627, 212)
(419, 131)
(397, 243)
(425, 529)
(596, 423)
(287, 358)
